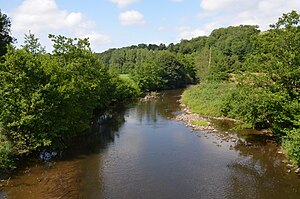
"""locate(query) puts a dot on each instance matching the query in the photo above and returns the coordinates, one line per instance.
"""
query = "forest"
(47, 98)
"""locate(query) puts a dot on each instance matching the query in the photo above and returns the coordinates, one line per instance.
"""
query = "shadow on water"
(258, 164)
(80, 163)
(143, 153)
(62, 177)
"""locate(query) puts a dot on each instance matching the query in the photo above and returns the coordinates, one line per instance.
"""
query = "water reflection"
(165, 106)
(67, 176)
(259, 171)
(144, 153)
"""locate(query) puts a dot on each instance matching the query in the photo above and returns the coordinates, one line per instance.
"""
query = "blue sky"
(117, 23)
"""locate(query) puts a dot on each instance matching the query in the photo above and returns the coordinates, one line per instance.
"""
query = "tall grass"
(208, 99)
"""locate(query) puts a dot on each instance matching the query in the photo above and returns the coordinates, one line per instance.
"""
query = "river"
(143, 152)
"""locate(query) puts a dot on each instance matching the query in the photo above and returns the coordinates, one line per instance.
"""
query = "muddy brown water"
(144, 153)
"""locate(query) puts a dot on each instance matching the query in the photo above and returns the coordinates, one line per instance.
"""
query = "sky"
(119, 23)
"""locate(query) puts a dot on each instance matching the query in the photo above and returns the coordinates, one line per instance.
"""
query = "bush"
(126, 88)
(291, 144)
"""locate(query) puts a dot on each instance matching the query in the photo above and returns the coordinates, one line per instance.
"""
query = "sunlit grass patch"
(208, 99)
(200, 122)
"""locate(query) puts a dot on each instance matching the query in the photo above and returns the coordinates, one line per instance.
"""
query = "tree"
(5, 35)
(234, 42)
(164, 70)
(49, 98)
(270, 98)
(32, 44)
(272, 94)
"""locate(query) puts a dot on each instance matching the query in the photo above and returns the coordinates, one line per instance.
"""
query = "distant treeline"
(212, 57)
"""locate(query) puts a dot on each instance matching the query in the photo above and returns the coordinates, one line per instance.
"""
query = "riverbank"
(205, 102)
(198, 101)
(200, 122)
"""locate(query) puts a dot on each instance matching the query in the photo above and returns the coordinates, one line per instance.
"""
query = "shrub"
(291, 144)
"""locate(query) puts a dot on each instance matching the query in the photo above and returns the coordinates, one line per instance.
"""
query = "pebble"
(187, 118)
(248, 144)
(289, 165)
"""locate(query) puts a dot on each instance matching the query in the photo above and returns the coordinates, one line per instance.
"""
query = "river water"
(144, 153)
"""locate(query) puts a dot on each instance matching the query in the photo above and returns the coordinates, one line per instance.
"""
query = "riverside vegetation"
(264, 92)
(47, 98)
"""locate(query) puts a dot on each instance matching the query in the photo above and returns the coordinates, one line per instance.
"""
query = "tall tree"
(32, 44)
(273, 92)
(5, 34)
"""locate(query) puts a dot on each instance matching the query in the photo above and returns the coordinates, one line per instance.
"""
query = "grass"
(208, 99)
(200, 122)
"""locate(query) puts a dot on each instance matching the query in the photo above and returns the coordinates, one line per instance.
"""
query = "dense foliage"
(203, 58)
(270, 98)
(123, 60)
(164, 70)
(266, 68)
(213, 57)
(5, 36)
(48, 98)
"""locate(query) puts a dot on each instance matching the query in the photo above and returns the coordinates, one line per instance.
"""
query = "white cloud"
(254, 12)
(73, 18)
(44, 16)
(191, 34)
(124, 3)
(266, 12)
(131, 17)
(202, 31)
(95, 38)
(224, 13)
